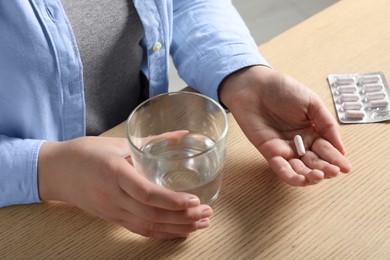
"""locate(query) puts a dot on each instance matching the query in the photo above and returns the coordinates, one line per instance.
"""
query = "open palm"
(271, 108)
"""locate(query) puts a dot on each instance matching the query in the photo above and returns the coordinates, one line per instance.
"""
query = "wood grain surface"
(257, 216)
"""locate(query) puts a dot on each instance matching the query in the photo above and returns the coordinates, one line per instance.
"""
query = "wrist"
(47, 173)
(240, 82)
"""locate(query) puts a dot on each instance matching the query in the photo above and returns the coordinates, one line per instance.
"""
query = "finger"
(329, 153)
(145, 227)
(284, 170)
(152, 229)
(312, 176)
(159, 215)
(148, 233)
(314, 162)
(174, 136)
(148, 193)
(326, 125)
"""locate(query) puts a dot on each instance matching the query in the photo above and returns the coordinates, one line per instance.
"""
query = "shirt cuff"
(19, 171)
(215, 67)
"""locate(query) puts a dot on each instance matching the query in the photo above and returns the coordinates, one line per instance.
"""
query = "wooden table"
(256, 215)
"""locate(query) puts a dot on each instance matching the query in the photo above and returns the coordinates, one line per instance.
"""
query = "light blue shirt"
(41, 83)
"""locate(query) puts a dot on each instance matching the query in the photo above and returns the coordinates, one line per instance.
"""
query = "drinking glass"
(178, 140)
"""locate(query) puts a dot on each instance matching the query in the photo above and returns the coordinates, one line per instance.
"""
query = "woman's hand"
(95, 174)
(271, 108)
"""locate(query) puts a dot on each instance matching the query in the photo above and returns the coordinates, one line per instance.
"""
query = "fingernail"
(206, 213)
(193, 202)
(203, 223)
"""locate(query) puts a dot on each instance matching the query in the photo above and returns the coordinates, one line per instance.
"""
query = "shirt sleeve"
(18, 170)
(210, 41)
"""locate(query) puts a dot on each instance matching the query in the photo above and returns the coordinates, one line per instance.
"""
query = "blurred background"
(266, 19)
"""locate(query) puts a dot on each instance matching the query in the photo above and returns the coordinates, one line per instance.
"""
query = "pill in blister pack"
(360, 98)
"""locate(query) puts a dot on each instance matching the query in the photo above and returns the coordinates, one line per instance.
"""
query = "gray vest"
(108, 35)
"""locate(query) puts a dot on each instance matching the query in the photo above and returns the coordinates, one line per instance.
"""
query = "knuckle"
(109, 164)
(192, 216)
(145, 194)
(152, 214)
(137, 229)
(191, 228)
(151, 226)
(175, 203)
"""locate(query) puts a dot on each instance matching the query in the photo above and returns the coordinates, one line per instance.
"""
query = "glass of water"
(178, 140)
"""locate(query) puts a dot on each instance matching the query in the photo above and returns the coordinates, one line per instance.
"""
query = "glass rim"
(216, 142)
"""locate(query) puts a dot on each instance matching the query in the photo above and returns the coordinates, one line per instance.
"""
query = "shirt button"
(157, 46)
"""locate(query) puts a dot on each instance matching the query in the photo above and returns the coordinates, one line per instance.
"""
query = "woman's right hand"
(95, 174)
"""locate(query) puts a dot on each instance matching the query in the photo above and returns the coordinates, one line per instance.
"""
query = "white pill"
(299, 145)
(371, 79)
(373, 87)
(352, 105)
(348, 89)
(349, 97)
(379, 103)
(345, 81)
(354, 115)
(375, 95)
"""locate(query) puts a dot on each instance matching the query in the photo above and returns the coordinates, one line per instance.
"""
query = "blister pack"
(360, 98)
